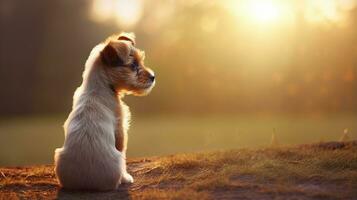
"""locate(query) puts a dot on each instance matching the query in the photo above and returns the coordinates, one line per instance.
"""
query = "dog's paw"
(127, 178)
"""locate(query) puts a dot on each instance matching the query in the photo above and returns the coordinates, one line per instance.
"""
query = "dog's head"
(124, 66)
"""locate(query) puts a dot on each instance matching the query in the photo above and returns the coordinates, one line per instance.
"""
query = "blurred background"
(230, 73)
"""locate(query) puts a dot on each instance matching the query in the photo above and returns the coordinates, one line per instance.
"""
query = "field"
(32, 140)
(317, 171)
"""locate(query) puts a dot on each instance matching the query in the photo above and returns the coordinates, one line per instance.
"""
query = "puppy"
(94, 151)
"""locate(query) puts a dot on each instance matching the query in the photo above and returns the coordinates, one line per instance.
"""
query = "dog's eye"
(135, 65)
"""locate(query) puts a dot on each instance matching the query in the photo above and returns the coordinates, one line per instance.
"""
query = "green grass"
(32, 140)
(319, 171)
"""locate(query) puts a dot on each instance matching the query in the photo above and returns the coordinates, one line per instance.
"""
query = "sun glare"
(101, 10)
(126, 13)
(272, 12)
(328, 10)
(262, 11)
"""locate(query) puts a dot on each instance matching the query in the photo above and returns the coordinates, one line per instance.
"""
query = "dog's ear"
(116, 53)
(128, 37)
(110, 56)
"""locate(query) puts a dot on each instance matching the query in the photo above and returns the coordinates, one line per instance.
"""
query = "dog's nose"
(152, 77)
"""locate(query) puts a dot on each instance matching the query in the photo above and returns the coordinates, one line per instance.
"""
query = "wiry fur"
(94, 151)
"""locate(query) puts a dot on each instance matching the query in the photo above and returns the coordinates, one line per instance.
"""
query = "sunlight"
(262, 11)
(126, 13)
(101, 10)
(276, 12)
(322, 10)
(328, 10)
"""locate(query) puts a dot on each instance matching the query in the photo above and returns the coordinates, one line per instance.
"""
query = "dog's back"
(88, 159)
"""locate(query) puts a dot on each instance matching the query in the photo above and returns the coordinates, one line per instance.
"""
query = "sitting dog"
(94, 152)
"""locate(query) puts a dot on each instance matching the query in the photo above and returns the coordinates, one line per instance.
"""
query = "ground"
(314, 171)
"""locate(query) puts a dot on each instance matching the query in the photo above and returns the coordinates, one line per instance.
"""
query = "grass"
(317, 171)
(171, 134)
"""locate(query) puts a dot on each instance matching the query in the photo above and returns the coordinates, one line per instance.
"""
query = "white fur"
(89, 158)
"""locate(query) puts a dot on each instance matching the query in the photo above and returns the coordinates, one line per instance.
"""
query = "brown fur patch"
(110, 56)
